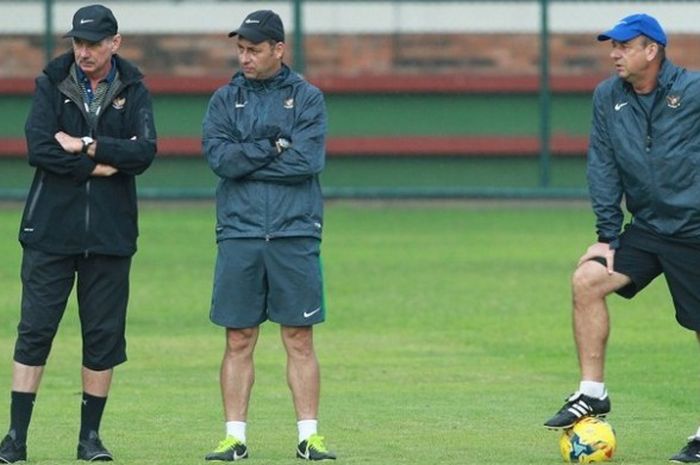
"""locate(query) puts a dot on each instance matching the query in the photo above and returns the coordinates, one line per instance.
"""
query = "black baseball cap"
(260, 26)
(93, 23)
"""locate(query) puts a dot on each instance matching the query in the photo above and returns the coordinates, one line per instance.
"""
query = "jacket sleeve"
(44, 151)
(604, 182)
(227, 155)
(306, 156)
(136, 153)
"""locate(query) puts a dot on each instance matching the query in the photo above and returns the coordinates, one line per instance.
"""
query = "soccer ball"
(589, 440)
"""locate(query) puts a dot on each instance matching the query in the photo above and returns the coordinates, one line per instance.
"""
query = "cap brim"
(252, 35)
(86, 35)
(618, 35)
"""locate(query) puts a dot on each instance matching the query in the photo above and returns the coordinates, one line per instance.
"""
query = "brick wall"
(358, 55)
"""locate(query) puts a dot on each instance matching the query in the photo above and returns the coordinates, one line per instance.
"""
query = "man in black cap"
(644, 147)
(90, 131)
(264, 136)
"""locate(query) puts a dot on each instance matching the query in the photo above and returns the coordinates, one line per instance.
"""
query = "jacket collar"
(82, 77)
(284, 76)
(59, 68)
(665, 79)
(667, 74)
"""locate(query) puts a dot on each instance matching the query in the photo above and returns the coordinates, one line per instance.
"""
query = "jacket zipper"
(85, 110)
(86, 113)
(267, 212)
(267, 189)
(87, 188)
(648, 141)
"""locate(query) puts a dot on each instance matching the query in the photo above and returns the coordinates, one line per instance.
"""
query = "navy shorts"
(102, 292)
(643, 255)
(278, 280)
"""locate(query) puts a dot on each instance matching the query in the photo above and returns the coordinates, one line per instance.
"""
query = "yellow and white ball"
(590, 440)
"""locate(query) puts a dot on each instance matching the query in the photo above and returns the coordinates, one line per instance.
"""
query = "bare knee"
(298, 341)
(589, 281)
(241, 341)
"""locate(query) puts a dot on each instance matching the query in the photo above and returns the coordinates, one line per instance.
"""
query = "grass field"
(416, 175)
(375, 115)
(448, 341)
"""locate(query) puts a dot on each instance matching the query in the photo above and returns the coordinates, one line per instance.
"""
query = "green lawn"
(376, 115)
(414, 175)
(448, 341)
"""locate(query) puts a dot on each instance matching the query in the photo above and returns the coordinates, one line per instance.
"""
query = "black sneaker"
(576, 407)
(690, 453)
(92, 449)
(314, 449)
(12, 451)
(228, 450)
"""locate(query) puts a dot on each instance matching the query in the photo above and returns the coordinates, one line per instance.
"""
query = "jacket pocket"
(35, 198)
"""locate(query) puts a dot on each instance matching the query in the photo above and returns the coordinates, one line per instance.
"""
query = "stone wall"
(358, 55)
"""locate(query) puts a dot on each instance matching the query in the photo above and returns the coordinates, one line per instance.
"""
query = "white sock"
(592, 389)
(307, 428)
(236, 429)
(697, 434)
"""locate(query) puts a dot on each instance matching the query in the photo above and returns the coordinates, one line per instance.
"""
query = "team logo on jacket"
(673, 101)
(118, 103)
(289, 103)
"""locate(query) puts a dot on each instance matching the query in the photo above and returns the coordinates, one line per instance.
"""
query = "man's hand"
(102, 170)
(600, 249)
(282, 144)
(69, 143)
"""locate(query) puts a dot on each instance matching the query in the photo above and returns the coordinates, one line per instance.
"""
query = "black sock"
(91, 414)
(21, 414)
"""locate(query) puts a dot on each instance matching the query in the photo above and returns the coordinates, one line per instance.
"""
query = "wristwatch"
(282, 144)
(87, 142)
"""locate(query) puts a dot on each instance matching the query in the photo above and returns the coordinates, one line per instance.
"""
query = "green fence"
(472, 75)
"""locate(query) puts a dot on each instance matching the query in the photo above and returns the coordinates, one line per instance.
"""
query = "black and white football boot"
(577, 406)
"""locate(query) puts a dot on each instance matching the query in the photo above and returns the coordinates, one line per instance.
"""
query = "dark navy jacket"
(68, 211)
(653, 160)
(262, 194)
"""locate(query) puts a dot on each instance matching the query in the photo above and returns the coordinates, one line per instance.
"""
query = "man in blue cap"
(644, 147)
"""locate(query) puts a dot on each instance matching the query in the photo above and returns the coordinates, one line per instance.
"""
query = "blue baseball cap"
(633, 26)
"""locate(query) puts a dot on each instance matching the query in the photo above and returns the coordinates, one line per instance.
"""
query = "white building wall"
(369, 17)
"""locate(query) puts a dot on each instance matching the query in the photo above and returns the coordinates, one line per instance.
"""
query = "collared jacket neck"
(82, 77)
(664, 80)
(283, 77)
(58, 69)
